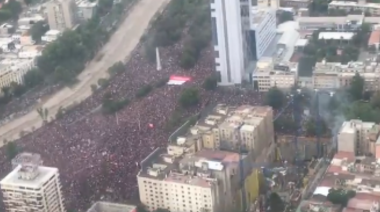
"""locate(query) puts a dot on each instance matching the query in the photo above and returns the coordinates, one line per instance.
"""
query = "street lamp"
(318, 119)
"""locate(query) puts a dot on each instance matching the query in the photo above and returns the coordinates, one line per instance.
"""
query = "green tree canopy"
(145, 90)
(356, 88)
(38, 29)
(375, 100)
(285, 16)
(210, 83)
(311, 127)
(110, 106)
(275, 98)
(12, 150)
(363, 111)
(189, 97)
(340, 196)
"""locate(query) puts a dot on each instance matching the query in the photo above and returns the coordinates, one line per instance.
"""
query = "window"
(217, 56)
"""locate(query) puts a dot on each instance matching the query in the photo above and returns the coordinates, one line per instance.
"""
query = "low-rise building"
(269, 75)
(362, 5)
(295, 3)
(336, 75)
(50, 36)
(357, 137)
(30, 20)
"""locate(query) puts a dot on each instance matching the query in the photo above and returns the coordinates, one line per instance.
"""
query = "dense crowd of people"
(97, 154)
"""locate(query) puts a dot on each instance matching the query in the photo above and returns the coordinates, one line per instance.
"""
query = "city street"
(119, 47)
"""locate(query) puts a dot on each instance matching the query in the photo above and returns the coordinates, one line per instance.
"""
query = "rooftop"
(336, 35)
(111, 207)
(374, 38)
(354, 4)
(44, 174)
(85, 3)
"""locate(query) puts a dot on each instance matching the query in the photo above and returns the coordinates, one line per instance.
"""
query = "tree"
(275, 202)
(275, 98)
(38, 29)
(284, 124)
(13, 7)
(189, 97)
(311, 127)
(141, 208)
(33, 78)
(116, 68)
(161, 82)
(12, 150)
(285, 16)
(210, 83)
(103, 83)
(188, 59)
(110, 106)
(145, 90)
(356, 88)
(375, 100)
(340, 196)
(363, 111)
(161, 210)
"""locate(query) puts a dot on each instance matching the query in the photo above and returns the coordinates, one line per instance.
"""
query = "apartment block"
(85, 9)
(359, 138)
(336, 75)
(31, 187)
(226, 127)
(207, 180)
(61, 14)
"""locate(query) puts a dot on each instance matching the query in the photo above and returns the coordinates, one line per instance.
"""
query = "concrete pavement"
(119, 47)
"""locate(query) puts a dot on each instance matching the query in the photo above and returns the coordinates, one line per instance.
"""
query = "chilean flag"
(178, 80)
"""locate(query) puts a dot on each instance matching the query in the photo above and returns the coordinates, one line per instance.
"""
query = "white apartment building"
(161, 186)
(13, 70)
(241, 34)
(336, 75)
(61, 14)
(358, 137)
(30, 187)
(85, 9)
(372, 8)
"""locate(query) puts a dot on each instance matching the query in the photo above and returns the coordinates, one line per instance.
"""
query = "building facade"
(358, 137)
(336, 75)
(85, 10)
(61, 14)
(14, 70)
(273, 4)
(241, 34)
(30, 187)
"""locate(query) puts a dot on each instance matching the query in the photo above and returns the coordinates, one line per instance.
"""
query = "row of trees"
(62, 60)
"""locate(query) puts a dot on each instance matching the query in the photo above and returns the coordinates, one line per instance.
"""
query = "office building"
(111, 207)
(61, 14)
(241, 34)
(30, 187)
(359, 138)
